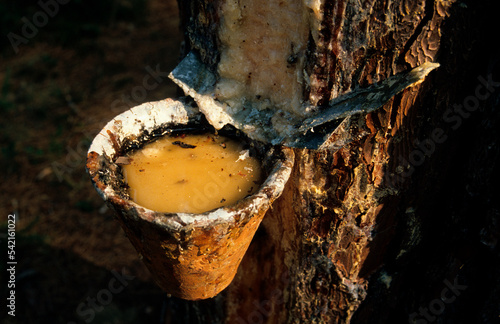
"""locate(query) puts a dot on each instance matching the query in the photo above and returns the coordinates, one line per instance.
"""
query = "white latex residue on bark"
(263, 44)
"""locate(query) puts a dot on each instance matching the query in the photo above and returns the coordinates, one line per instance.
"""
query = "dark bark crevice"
(428, 15)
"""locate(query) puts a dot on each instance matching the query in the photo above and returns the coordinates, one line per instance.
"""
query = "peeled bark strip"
(345, 215)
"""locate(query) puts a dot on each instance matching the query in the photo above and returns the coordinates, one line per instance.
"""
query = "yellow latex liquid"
(191, 174)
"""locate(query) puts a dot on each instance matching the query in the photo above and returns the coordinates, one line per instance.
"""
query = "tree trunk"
(377, 231)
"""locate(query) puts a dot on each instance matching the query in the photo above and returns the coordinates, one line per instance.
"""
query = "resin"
(191, 173)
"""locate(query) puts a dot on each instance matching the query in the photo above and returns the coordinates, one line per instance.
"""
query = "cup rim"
(151, 116)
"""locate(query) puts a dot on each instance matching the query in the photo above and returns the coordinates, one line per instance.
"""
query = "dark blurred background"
(66, 69)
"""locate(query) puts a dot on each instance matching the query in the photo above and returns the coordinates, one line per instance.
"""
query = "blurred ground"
(70, 76)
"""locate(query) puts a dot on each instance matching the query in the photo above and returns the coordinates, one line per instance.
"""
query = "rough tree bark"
(374, 232)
